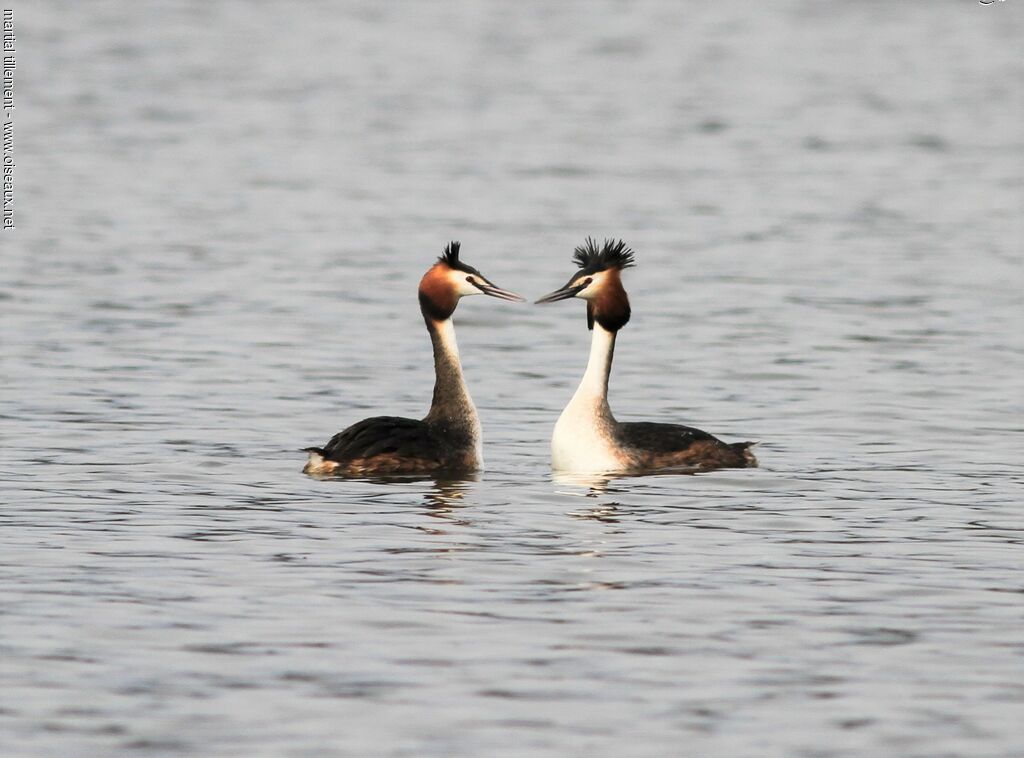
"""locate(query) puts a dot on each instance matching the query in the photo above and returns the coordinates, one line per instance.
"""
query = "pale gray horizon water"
(223, 210)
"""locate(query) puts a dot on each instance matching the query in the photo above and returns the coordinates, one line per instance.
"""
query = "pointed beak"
(498, 292)
(569, 290)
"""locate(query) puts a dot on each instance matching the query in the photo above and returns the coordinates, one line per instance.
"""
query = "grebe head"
(599, 283)
(451, 279)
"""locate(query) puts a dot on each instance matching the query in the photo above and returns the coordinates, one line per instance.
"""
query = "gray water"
(223, 210)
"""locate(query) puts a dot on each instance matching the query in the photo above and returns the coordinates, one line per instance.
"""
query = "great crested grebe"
(447, 439)
(587, 438)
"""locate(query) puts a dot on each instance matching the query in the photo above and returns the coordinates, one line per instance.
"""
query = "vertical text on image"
(8, 68)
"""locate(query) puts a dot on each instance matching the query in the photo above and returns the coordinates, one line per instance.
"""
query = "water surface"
(223, 210)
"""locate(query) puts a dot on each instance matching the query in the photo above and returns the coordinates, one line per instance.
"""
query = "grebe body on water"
(587, 437)
(448, 438)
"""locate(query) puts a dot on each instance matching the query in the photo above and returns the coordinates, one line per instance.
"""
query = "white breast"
(582, 441)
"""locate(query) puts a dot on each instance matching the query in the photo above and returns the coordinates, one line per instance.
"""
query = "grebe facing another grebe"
(587, 438)
(447, 439)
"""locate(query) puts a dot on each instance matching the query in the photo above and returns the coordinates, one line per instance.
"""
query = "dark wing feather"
(661, 438)
(381, 435)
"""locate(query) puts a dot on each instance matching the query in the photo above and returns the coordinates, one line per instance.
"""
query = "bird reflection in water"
(444, 499)
(447, 498)
(596, 485)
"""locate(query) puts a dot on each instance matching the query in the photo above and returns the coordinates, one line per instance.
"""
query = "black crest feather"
(612, 254)
(451, 254)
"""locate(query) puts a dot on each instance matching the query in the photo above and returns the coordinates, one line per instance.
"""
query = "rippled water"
(223, 210)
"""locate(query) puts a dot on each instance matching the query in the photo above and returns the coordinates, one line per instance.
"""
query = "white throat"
(448, 347)
(599, 366)
(583, 439)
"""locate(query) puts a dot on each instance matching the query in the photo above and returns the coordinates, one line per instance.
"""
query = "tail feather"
(317, 465)
(743, 450)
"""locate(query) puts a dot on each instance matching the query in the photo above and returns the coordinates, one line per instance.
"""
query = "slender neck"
(451, 398)
(594, 385)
